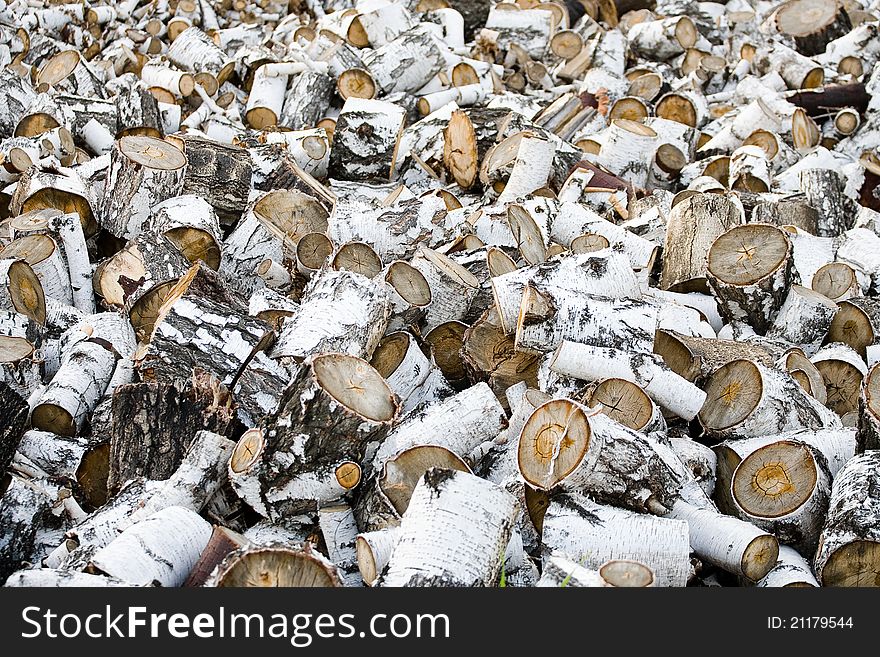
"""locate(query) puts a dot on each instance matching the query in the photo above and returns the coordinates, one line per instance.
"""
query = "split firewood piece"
(459, 423)
(76, 388)
(591, 534)
(843, 371)
(783, 486)
(663, 39)
(200, 474)
(195, 51)
(626, 403)
(696, 358)
(548, 315)
(374, 551)
(190, 223)
(192, 330)
(69, 72)
(340, 531)
(144, 171)
(727, 542)
(274, 565)
(812, 23)
(805, 134)
(23, 506)
(603, 273)
(154, 424)
(46, 258)
(530, 165)
(138, 278)
(849, 547)
(791, 570)
(857, 324)
(749, 269)
(564, 444)
(365, 140)
(407, 63)
(309, 449)
(410, 294)
(659, 382)
(824, 191)
(162, 548)
(219, 173)
(805, 317)
(409, 372)
(20, 366)
(339, 311)
(384, 499)
(692, 227)
(21, 290)
(446, 341)
(471, 518)
(836, 280)
(453, 288)
(745, 398)
(628, 151)
(460, 150)
(490, 355)
(72, 460)
(869, 411)
(223, 541)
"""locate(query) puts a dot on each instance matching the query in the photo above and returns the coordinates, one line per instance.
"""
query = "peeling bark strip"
(453, 533)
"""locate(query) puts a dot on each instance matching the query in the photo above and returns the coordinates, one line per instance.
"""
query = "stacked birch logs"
(400, 293)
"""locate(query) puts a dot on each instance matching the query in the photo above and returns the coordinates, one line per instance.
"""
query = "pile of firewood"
(439, 292)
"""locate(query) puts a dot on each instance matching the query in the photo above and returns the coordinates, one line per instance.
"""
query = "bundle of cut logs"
(440, 293)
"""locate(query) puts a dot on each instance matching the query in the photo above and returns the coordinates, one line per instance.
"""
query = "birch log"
(848, 547)
(274, 565)
(365, 140)
(454, 533)
(791, 570)
(592, 534)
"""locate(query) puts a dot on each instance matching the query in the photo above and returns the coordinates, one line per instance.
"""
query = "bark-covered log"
(848, 547)
(591, 534)
(842, 370)
(14, 412)
(274, 565)
(365, 140)
(453, 533)
(310, 448)
(155, 423)
(564, 444)
(791, 570)
(220, 174)
(23, 505)
(812, 24)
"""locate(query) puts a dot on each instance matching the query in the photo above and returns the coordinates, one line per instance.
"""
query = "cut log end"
(775, 480)
(732, 393)
(357, 386)
(746, 254)
(276, 566)
(553, 442)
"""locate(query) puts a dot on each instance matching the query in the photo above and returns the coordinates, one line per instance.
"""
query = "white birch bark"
(454, 532)
(661, 384)
(591, 534)
(374, 551)
(162, 548)
(340, 531)
(790, 570)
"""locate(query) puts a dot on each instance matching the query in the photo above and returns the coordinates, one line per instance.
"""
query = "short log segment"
(659, 382)
(591, 534)
(195, 51)
(564, 444)
(14, 412)
(23, 507)
(275, 565)
(340, 531)
(454, 533)
(365, 140)
(791, 570)
(849, 547)
(161, 549)
(340, 311)
(813, 24)
(190, 223)
(143, 171)
(749, 271)
(220, 174)
(805, 317)
(459, 423)
(692, 226)
(374, 551)
(407, 63)
(745, 398)
(857, 324)
(155, 423)
(843, 371)
(783, 486)
(309, 449)
(729, 543)
(409, 373)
